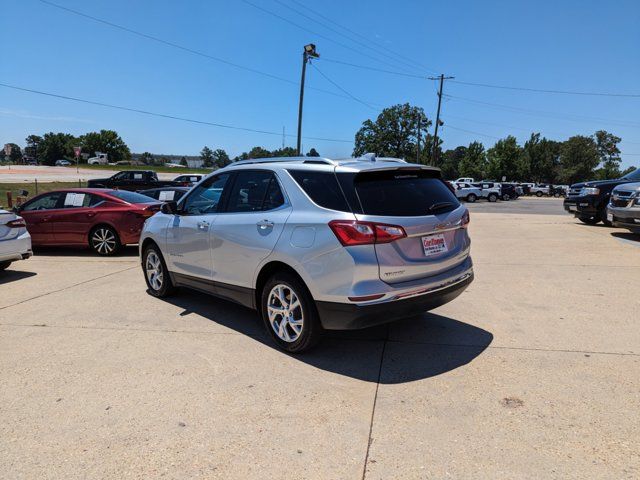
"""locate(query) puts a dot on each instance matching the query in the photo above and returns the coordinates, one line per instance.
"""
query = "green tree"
(16, 153)
(221, 158)
(147, 158)
(206, 155)
(183, 162)
(105, 141)
(259, 152)
(628, 171)
(31, 149)
(543, 158)
(502, 159)
(55, 146)
(474, 162)
(313, 153)
(609, 153)
(578, 159)
(394, 133)
(285, 152)
(450, 162)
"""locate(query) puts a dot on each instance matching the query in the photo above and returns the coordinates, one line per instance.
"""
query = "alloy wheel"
(153, 269)
(285, 313)
(104, 241)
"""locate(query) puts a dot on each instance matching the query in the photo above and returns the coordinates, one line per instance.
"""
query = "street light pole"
(308, 53)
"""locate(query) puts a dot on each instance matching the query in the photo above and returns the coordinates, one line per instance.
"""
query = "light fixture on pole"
(308, 53)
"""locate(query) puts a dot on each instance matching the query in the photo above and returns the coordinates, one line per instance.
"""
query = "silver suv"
(314, 243)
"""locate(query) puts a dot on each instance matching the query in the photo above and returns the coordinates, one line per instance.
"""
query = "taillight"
(353, 232)
(466, 218)
(17, 223)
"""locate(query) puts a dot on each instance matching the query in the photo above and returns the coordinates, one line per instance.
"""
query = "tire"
(506, 197)
(155, 272)
(590, 220)
(538, 194)
(471, 198)
(4, 265)
(603, 217)
(277, 293)
(104, 240)
(493, 197)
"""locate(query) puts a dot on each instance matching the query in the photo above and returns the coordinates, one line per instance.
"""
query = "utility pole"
(442, 78)
(283, 137)
(419, 128)
(308, 53)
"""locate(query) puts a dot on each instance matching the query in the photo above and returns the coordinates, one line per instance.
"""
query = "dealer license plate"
(434, 245)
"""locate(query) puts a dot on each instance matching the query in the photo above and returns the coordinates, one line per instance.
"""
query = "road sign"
(77, 151)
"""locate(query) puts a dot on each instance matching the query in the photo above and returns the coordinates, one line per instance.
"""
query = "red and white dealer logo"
(434, 244)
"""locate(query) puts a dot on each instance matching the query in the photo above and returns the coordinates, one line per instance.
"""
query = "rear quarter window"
(322, 188)
(403, 194)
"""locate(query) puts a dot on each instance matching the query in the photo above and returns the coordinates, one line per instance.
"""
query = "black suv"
(588, 200)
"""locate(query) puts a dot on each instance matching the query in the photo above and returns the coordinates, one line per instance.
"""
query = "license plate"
(434, 245)
(609, 217)
(573, 208)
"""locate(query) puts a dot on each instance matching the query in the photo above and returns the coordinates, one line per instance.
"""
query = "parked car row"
(313, 245)
(612, 202)
(490, 191)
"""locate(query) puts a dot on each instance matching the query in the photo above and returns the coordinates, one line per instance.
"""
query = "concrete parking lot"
(533, 372)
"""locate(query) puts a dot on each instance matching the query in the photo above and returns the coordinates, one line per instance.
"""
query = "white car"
(467, 192)
(464, 180)
(489, 190)
(15, 241)
(62, 163)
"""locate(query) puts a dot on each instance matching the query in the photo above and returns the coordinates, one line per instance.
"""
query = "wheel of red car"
(104, 240)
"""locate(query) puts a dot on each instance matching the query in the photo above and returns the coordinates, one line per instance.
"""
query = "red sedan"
(104, 220)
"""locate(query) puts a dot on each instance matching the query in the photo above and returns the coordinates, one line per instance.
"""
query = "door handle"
(90, 214)
(264, 224)
(203, 225)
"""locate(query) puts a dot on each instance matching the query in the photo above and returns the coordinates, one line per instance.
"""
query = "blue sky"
(571, 45)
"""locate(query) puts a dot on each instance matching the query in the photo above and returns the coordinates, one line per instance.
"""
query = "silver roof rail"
(251, 161)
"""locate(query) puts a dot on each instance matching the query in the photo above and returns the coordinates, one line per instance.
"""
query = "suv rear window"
(400, 193)
(322, 188)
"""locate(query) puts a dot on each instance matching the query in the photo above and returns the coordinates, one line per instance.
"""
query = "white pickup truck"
(539, 190)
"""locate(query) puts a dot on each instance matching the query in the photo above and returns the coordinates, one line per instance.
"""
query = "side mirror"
(169, 208)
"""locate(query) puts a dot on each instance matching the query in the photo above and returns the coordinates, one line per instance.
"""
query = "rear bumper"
(16, 249)
(345, 316)
(628, 218)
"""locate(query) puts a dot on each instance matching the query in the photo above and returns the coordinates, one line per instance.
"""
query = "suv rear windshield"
(399, 193)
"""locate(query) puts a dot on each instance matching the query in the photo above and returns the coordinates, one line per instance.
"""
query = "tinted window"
(633, 175)
(46, 202)
(403, 194)
(131, 197)
(205, 198)
(253, 192)
(322, 188)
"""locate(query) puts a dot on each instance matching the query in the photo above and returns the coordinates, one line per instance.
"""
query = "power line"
(325, 37)
(472, 132)
(367, 39)
(342, 89)
(358, 42)
(539, 90)
(544, 113)
(163, 115)
(375, 69)
(185, 49)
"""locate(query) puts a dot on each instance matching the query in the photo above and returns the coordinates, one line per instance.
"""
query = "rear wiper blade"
(440, 206)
